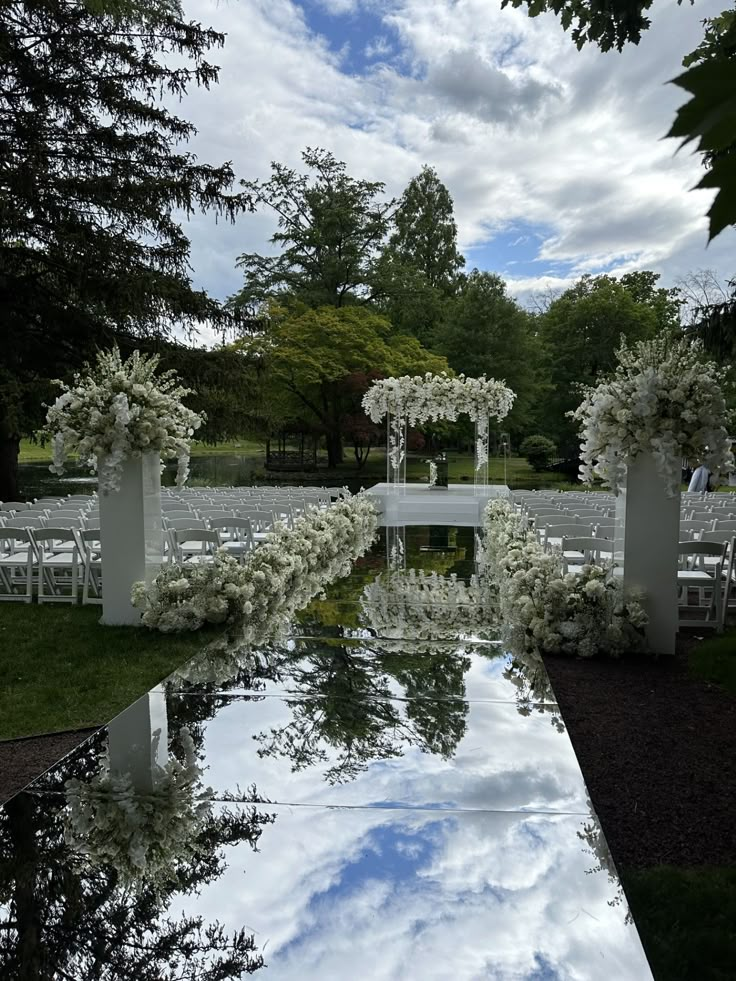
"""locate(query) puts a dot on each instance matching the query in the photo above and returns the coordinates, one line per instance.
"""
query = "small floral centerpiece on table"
(438, 471)
(121, 409)
(664, 398)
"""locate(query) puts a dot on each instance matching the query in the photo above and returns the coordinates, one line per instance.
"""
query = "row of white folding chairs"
(39, 521)
(48, 562)
(51, 562)
(706, 569)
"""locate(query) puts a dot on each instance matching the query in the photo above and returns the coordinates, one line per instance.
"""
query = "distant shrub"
(539, 451)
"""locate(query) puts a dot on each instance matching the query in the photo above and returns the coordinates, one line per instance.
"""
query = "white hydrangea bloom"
(663, 399)
(118, 410)
(546, 611)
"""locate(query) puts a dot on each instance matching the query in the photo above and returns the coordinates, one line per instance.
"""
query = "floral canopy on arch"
(421, 398)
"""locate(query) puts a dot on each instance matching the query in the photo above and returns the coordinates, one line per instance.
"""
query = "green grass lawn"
(686, 920)
(518, 472)
(35, 453)
(686, 917)
(59, 669)
(714, 660)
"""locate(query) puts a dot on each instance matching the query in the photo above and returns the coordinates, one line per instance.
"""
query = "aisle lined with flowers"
(377, 788)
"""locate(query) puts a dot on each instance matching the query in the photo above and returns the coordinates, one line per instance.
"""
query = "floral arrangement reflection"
(142, 835)
(426, 606)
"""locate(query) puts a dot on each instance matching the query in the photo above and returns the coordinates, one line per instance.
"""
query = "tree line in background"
(92, 176)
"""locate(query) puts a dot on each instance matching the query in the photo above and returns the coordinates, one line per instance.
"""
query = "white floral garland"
(121, 409)
(546, 611)
(141, 836)
(663, 399)
(425, 606)
(279, 577)
(433, 397)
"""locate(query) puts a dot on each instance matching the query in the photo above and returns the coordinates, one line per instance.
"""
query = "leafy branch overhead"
(709, 117)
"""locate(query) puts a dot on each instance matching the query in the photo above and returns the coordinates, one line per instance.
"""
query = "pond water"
(384, 794)
(216, 469)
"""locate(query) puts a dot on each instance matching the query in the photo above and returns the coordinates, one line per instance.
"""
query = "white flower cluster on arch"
(664, 398)
(118, 410)
(425, 398)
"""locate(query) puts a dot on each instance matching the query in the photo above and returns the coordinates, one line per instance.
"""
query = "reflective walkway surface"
(383, 793)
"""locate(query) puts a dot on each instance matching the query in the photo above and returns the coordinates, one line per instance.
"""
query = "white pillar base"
(132, 537)
(647, 534)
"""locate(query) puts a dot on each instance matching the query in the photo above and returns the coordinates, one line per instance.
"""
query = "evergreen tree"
(426, 234)
(91, 172)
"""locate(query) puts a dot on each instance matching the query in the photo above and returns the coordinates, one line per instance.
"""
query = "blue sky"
(554, 158)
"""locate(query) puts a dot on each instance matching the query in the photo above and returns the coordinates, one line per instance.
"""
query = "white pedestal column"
(138, 741)
(131, 536)
(647, 535)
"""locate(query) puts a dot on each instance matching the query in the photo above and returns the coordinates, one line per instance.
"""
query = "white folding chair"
(261, 522)
(706, 581)
(194, 545)
(17, 564)
(180, 515)
(551, 535)
(236, 535)
(57, 552)
(20, 522)
(91, 555)
(15, 505)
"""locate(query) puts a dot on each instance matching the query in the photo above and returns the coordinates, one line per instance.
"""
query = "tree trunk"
(24, 856)
(9, 450)
(334, 448)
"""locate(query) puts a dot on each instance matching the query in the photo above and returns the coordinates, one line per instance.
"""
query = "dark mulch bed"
(21, 760)
(658, 751)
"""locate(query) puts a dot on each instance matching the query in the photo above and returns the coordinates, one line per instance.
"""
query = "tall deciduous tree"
(425, 236)
(312, 355)
(91, 173)
(331, 229)
(582, 330)
(486, 332)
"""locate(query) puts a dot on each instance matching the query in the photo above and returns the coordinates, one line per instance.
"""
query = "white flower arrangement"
(421, 398)
(281, 576)
(425, 606)
(432, 473)
(118, 410)
(547, 611)
(663, 399)
(142, 836)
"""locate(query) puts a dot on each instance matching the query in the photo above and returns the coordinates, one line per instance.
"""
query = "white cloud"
(520, 126)
(331, 894)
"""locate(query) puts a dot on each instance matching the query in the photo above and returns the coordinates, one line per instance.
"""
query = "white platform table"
(419, 504)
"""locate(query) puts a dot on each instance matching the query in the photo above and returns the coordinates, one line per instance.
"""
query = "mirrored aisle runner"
(383, 795)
